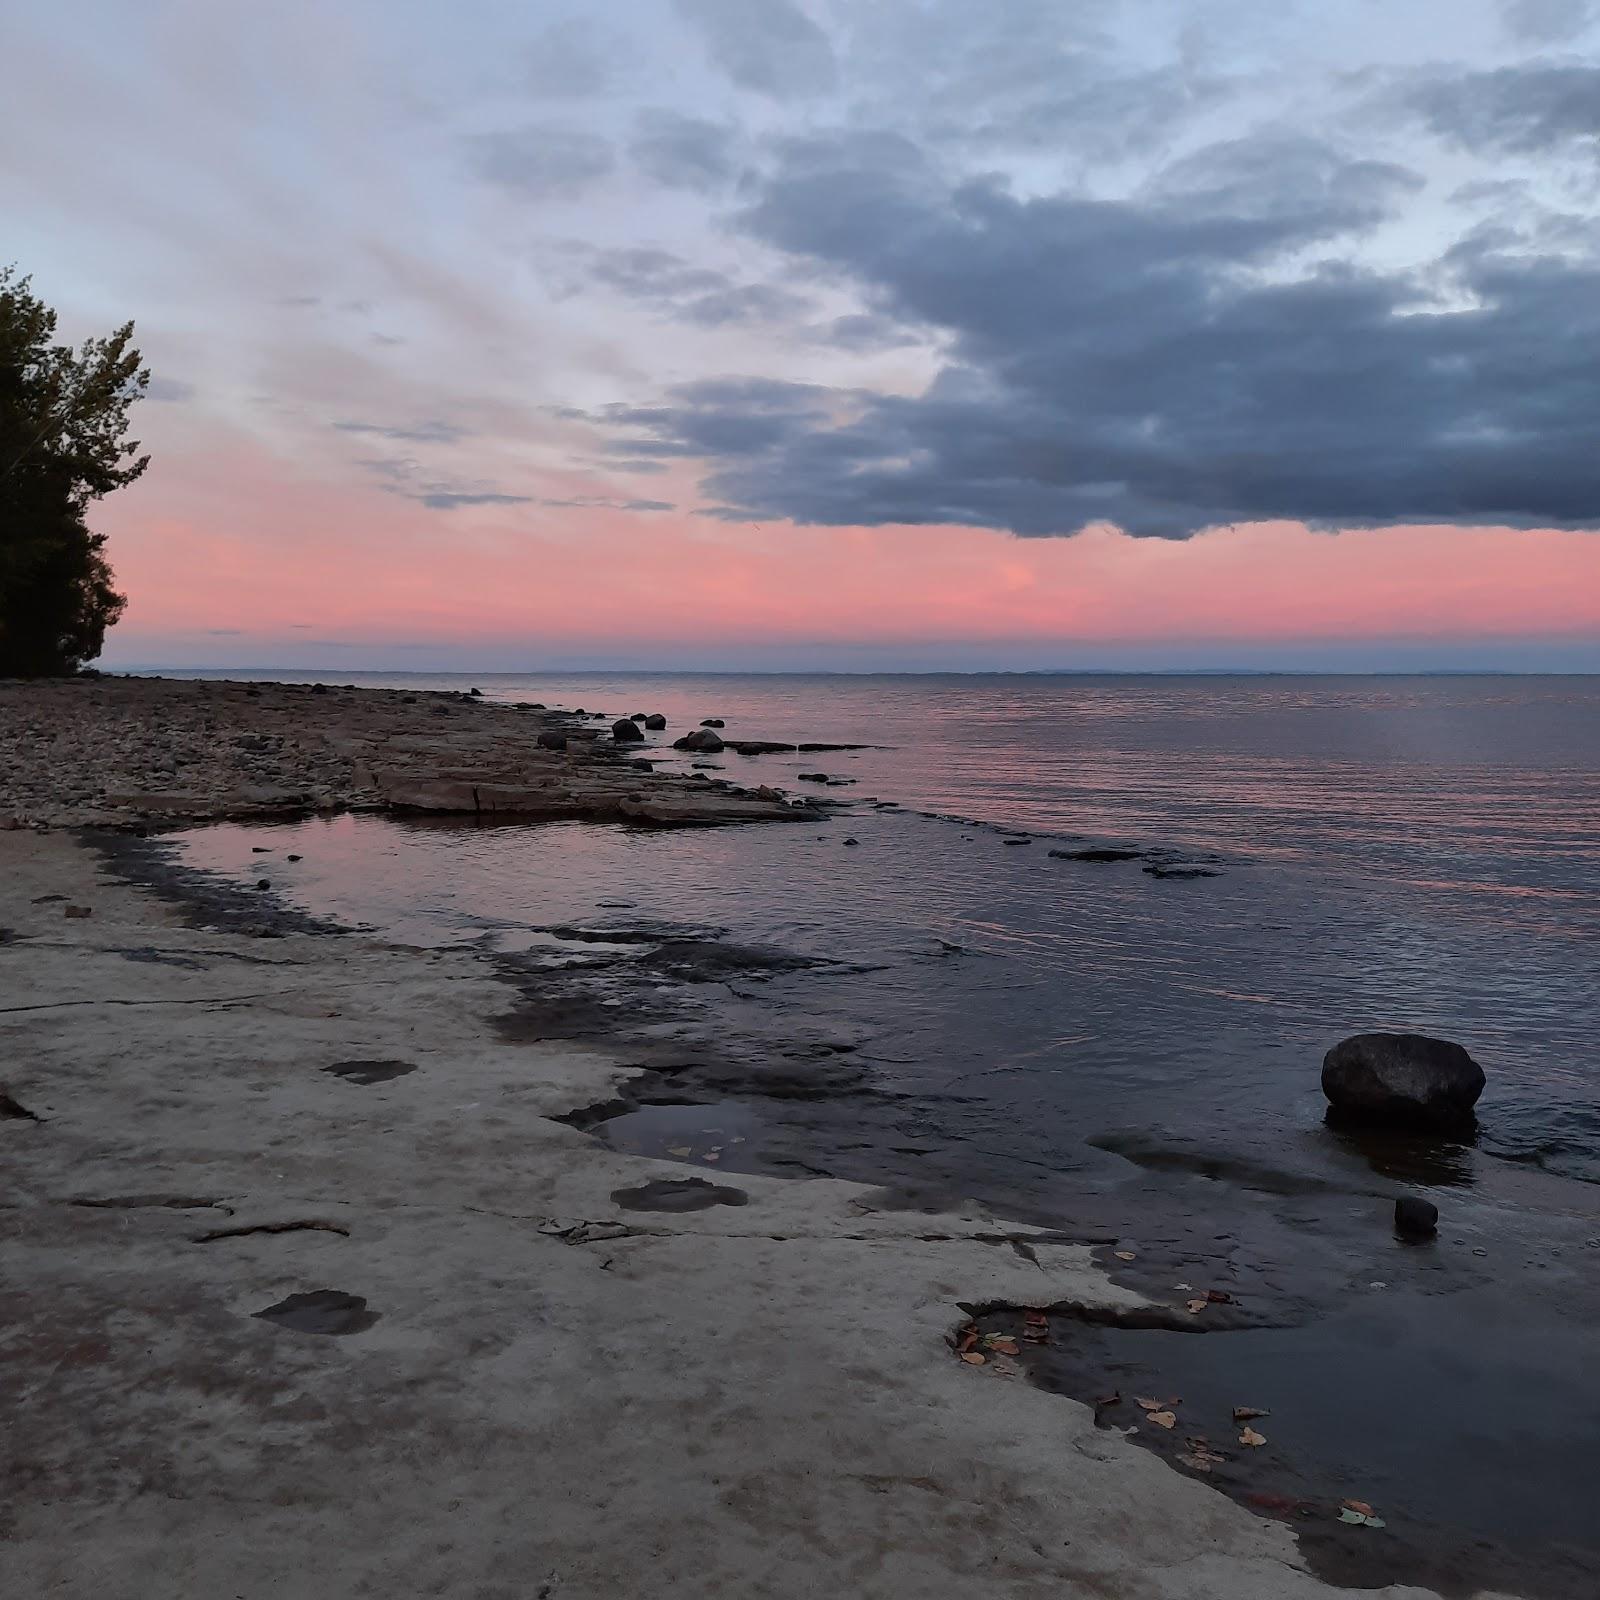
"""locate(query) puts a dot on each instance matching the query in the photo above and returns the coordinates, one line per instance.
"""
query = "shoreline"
(754, 1398)
(135, 753)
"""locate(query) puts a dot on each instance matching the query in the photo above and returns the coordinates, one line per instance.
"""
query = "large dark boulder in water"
(703, 741)
(627, 732)
(1402, 1079)
(655, 722)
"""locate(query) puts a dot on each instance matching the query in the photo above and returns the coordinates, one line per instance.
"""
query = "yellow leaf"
(974, 1358)
(1162, 1419)
(1124, 1255)
(1251, 1437)
(1196, 1307)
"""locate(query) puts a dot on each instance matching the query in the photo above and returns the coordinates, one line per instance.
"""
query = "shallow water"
(1130, 1057)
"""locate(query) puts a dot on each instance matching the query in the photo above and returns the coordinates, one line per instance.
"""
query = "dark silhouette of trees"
(63, 444)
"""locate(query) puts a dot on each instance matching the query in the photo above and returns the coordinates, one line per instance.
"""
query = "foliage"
(63, 445)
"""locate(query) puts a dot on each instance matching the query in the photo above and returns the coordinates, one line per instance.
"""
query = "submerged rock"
(1404, 1079)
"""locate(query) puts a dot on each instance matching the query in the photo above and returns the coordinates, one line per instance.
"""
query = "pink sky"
(234, 538)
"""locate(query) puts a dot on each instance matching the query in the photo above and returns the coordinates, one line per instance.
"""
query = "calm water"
(1129, 1057)
(1395, 852)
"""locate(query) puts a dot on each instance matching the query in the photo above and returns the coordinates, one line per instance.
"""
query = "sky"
(797, 334)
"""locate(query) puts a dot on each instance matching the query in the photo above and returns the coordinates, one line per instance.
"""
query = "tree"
(63, 444)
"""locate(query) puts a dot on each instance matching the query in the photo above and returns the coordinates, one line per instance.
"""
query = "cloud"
(769, 46)
(1207, 352)
(542, 161)
(432, 431)
(1519, 110)
(1548, 21)
(452, 499)
(569, 60)
(700, 296)
(682, 152)
(172, 391)
(225, 633)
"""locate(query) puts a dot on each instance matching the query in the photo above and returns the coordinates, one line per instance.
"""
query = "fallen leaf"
(1275, 1502)
(966, 1339)
(1195, 1463)
(1004, 1367)
(1033, 1314)
(1036, 1335)
(1361, 1518)
(974, 1358)
(1197, 1306)
(1157, 1405)
(1124, 1255)
(1248, 1413)
(712, 1155)
(1357, 1505)
(1162, 1419)
(1252, 1438)
(679, 1150)
(1004, 1343)
(1188, 1288)
(1219, 1297)
(1112, 1399)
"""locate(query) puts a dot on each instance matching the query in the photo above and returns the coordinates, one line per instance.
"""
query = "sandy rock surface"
(548, 1393)
(128, 751)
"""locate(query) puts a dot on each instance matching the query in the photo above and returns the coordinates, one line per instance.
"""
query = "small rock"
(713, 722)
(263, 883)
(1415, 1216)
(476, 694)
(294, 858)
(552, 741)
(702, 740)
(852, 841)
(78, 911)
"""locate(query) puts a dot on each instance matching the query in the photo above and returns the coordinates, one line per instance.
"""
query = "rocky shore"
(130, 752)
(316, 1287)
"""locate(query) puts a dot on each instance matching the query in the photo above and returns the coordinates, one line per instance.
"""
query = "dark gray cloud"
(683, 152)
(1520, 110)
(452, 499)
(770, 46)
(700, 296)
(541, 161)
(1204, 353)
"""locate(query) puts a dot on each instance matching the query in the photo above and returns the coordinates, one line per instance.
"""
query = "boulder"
(1403, 1079)
(638, 716)
(702, 741)
(759, 747)
(655, 722)
(552, 741)
(627, 732)
(713, 722)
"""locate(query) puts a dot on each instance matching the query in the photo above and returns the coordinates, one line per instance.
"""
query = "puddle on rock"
(1477, 1451)
(679, 1194)
(722, 1134)
(320, 1311)
(367, 1072)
